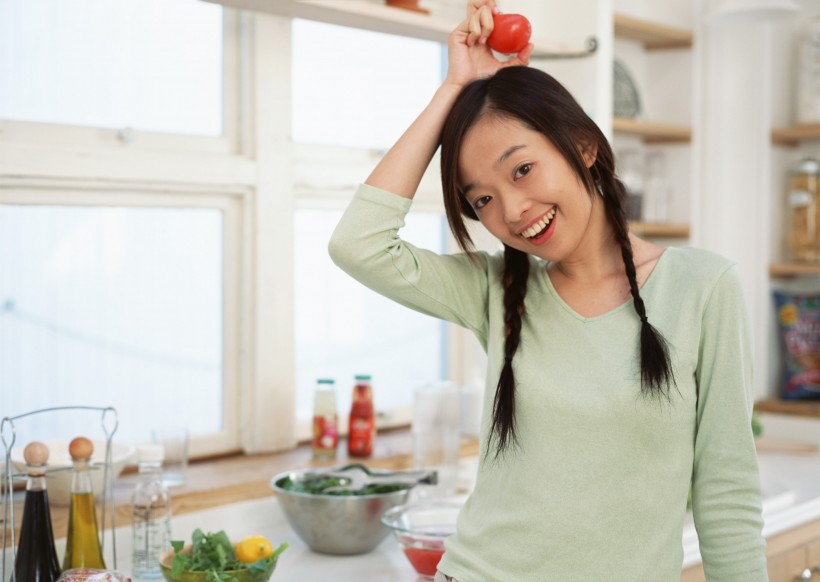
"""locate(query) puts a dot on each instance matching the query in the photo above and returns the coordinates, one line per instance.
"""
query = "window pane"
(359, 88)
(343, 328)
(95, 310)
(153, 65)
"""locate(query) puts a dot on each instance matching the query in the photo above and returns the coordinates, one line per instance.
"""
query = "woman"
(619, 372)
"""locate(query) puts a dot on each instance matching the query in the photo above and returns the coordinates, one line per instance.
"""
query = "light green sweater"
(597, 488)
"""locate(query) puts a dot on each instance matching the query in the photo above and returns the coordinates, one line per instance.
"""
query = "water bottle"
(151, 514)
(325, 420)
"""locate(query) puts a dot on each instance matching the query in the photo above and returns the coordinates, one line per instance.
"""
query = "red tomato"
(511, 33)
(424, 560)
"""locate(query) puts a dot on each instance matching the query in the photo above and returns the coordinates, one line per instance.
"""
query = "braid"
(516, 274)
(656, 369)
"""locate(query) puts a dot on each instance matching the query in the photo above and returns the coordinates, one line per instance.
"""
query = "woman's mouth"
(541, 230)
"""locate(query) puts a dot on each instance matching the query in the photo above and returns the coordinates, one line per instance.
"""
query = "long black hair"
(541, 103)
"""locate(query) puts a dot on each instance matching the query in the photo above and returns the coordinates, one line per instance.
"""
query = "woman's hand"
(469, 57)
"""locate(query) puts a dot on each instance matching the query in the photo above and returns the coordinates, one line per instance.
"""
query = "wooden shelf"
(805, 408)
(377, 17)
(651, 132)
(785, 270)
(653, 36)
(792, 136)
(659, 229)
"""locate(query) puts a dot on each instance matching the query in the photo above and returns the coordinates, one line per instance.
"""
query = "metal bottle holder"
(110, 422)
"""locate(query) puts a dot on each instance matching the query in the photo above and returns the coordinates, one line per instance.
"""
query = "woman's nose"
(515, 206)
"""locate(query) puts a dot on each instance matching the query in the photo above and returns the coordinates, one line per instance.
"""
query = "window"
(95, 310)
(354, 93)
(345, 329)
(151, 65)
(359, 88)
(122, 262)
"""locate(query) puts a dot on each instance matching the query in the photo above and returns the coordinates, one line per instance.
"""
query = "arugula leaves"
(213, 553)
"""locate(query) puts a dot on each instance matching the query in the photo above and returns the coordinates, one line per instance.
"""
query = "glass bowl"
(421, 529)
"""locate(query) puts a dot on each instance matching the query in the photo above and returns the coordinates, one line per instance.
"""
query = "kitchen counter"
(791, 498)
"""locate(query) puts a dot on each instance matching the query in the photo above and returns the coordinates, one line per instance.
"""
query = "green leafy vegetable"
(213, 553)
(318, 485)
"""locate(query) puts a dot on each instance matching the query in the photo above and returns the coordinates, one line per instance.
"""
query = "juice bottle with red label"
(362, 425)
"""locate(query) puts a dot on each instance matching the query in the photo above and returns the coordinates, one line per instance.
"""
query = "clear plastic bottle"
(36, 557)
(83, 548)
(151, 514)
(325, 420)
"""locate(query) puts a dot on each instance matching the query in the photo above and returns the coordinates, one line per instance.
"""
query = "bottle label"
(362, 433)
(325, 434)
(800, 198)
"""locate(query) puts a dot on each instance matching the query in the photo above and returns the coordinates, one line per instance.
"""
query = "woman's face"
(524, 191)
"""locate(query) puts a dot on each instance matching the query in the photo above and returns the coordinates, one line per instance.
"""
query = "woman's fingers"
(473, 5)
(485, 15)
(522, 58)
(479, 22)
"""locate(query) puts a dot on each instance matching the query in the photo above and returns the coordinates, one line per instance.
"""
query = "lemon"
(253, 548)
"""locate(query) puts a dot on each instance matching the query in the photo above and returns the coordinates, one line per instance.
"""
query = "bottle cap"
(325, 381)
(81, 448)
(35, 454)
(150, 453)
(362, 377)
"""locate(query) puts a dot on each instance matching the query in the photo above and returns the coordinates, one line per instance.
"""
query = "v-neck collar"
(614, 310)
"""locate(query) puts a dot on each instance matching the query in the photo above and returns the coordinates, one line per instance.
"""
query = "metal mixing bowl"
(335, 524)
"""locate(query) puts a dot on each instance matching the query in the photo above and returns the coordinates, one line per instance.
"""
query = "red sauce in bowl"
(424, 560)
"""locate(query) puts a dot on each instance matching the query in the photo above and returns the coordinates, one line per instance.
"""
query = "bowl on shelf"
(333, 523)
(421, 529)
(59, 482)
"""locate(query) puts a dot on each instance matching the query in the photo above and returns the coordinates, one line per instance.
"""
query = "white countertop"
(791, 486)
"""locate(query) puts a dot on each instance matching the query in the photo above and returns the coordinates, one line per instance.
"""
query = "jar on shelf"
(803, 210)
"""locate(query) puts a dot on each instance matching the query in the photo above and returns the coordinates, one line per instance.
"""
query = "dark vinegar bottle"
(36, 559)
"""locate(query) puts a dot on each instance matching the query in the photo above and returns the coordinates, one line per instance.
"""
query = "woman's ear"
(589, 151)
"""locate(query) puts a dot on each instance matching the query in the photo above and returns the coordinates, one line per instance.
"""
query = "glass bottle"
(362, 424)
(325, 420)
(36, 559)
(83, 549)
(658, 188)
(632, 175)
(151, 514)
(804, 210)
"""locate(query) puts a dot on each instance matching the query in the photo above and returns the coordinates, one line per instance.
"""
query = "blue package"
(798, 316)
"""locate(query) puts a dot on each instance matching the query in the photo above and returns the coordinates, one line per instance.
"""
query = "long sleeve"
(725, 485)
(367, 246)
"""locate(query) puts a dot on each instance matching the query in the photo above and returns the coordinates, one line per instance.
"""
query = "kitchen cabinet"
(794, 552)
(788, 554)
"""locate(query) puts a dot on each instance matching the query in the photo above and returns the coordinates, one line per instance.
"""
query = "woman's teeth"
(539, 226)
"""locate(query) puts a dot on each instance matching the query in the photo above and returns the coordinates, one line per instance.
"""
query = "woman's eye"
(481, 202)
(522, 170)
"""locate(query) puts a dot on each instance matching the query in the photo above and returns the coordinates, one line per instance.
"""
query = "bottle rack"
(109, 422)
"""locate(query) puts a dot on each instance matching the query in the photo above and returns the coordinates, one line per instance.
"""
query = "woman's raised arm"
(469, 58)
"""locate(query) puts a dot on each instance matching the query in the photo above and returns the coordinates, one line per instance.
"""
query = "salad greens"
(318, 485)
(213, 553)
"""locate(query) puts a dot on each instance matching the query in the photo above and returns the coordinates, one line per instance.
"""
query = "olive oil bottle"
(83, 549)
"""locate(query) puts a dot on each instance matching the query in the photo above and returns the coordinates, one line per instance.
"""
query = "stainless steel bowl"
(335, 524)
